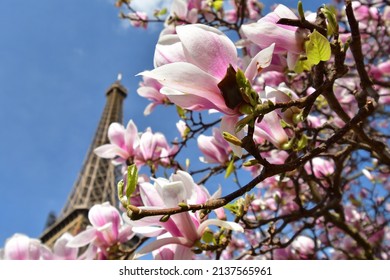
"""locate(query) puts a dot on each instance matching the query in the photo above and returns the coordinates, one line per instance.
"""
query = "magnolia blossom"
(286, 38)
(183, 11)
(302, 248)
(182, 229)
(281, 94)
(123, 143)
(215, 148)
(138, 19)
(253, 10)
(191, 64)
(22, 247)
(128, 146)
(61, 250)
(107, 230)
(150, 89)
(270, 129)
(321, 167)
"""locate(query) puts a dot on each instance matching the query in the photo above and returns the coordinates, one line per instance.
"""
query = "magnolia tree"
(288, 112)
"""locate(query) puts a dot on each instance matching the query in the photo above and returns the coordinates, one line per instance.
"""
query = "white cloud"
(149, 6)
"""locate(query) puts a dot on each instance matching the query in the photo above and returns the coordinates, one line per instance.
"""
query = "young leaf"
(132, 180)
(230, 168)
(217, 5)
(330, 14)
(317, 48)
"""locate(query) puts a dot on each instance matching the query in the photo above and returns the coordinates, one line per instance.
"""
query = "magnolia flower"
(150, 89)
(107, 230)
(60, 250)
(215, 148)
(192, 63)
(194, 66)
(138, 19)
(302, 247)
(286, 38)
(321, 167)
(22, 247)
(270, 129)
(153, 147)
(183, 11)
(123, 143)
(279, 95)
(253, 10)
(184, 228)
(172, 251)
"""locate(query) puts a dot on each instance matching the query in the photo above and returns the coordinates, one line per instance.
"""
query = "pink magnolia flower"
(123, 143)
(60, 250)
(183, 11)
(172, 251)
(321, 167)
(253, 10)
(150, 89)
(270, 129)
(153, 149)
(107, 230)
(215, 148)
(184, 228)
(302, 247)
(286, 38)
(192, 63)
(22, 247)
(138, 19)
(381, 70)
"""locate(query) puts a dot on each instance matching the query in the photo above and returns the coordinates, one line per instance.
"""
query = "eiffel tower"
(96, 182)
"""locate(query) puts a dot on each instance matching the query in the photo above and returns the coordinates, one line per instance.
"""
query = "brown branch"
(136, 213)
(356, 49)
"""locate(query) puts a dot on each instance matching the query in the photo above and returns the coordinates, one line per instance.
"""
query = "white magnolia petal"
(161, 242)
(149, 231)
(83, 238)
(260, 61)
(223, 224)
(174, 193)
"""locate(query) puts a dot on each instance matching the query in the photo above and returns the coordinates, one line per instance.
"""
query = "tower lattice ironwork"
(96, 182)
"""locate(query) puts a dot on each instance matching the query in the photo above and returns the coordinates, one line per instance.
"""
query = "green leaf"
(208, 237)
(230, 168)
(161, 12)
(331, 16)
(317, 48)
(181, 112)
(242, 123)
(302, 65)
(120, 187)
(217, 5)
(132, 180)
(300, 10)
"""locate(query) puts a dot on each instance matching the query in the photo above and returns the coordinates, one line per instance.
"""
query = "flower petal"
(110, 151)
(219, 223)
(159, 243)
(266, 33)
(259, 62)
(83, 238)
(208, 48)
(169, 49)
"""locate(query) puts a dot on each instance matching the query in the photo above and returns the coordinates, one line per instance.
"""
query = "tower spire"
(96, 182)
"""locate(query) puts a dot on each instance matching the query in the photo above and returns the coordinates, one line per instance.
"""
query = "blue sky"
(56, 61)
(57, 58)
